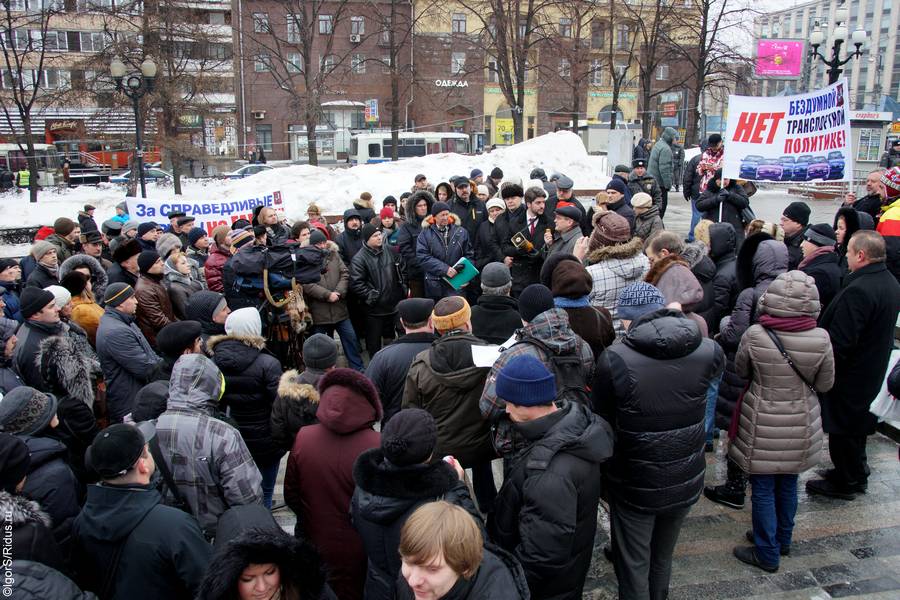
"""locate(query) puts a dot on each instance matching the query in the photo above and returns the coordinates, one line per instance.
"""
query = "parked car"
(246, 171)
(801, 167)
(818, 168)
(836, 165)
(150, 175)
(770, 169)
(749, 165)
(788, 164)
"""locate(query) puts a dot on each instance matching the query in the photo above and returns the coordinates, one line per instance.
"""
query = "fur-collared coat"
(294, 407)
(436, 254)
(612, 269)
(251, 375)
(32, 538)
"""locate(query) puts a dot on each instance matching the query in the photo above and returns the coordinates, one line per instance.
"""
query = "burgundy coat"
(212, 269)
(318, 484)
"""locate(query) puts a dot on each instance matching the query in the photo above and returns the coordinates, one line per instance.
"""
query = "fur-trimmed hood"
(66, 371)
(628, 249)
(99, 278)
(362, 203)
(414, 199)
(254, 341)
(291, 387)
(301, 567)
(854, 220)
(20, 510)
(662, 265)
(450, 191)
(429, 220)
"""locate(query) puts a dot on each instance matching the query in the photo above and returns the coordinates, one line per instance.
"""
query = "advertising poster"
(790, 138)
(781, 59)
(209, 214)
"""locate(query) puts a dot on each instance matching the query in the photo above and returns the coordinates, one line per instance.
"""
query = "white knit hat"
(244, 322)
(61, 295)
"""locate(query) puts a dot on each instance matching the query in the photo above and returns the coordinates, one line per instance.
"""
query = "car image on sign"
(818, 169)
(749, 165)
(770, 169)
(801, 167)
(836, 165)
(787, 164)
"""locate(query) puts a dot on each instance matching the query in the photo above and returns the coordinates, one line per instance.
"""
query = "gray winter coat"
(126, 358)
(207, 457)
(661, 166)
(780, 426)
(565, 244)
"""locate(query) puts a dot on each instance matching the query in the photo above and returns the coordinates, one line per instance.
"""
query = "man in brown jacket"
(327, 300)
(154, 307)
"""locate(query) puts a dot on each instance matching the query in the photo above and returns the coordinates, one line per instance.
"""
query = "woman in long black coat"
(723, 204)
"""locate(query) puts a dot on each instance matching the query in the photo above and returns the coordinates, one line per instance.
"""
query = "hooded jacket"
(722, 251)
(640, 150)
(724, 206)
(318, 483)
(163, 553)
(252, 376)
(299, 564)
(294, 408)
(658, 464)
(385, 496)
(780, 426)
(335, 278)
(408, 235)
(99, 278)
(826, 272)
(212, 268)
(853, 221)
(349, 240)
(495, 318)
(32, 537)
(546, 511)
(375, 278)
(390, 365)
(127, 361)
(10, 292)
(445, 382)
(760, 261)
(436, 254)
(647, 224)
(206, 456)
(661, 165)
(613, 268)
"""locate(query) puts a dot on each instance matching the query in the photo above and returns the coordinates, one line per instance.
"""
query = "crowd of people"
(149, 398)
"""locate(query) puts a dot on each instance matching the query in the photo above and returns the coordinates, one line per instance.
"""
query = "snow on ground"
(333, 189)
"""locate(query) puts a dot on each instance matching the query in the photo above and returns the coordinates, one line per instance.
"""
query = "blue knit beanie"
(638, 299)
(525, 381)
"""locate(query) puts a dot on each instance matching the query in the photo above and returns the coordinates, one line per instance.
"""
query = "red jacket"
(213, 269)
(318, 484)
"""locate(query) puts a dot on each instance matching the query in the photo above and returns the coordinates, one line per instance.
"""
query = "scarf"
(711, 160)
(790, 324)
(814, 254)
(563, 302)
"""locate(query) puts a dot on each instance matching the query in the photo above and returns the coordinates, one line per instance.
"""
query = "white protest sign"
(790, 138)
(209, 214)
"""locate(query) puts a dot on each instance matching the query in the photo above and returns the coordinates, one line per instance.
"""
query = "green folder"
(465, 272)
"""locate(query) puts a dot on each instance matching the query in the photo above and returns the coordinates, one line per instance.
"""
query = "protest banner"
(790, 138)
(209, 214)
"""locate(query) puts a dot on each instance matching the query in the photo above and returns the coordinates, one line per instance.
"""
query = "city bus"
(377, 147)
(12, 158)
(109, 154)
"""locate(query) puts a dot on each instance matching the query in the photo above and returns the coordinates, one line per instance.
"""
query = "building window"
(596, 75)
(53, 40)
(457, 63)
(357, 26)
(57, 79)
(261, 22)
(294, 62)
(565, 68)
(523, 27)
(386, 65)
(493, 76)
(662, 72)
(93, 41)
(261, 63)
(458, 23)
(358, 63)
(264, 137)
(217, 51)
(326, 63)
(622, 36)
(598, 33)
(385, 37)
(326, 24)
(293, 28)
(565, 27)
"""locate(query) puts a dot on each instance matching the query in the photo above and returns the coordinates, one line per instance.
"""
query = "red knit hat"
(386, 213)
(891, 181)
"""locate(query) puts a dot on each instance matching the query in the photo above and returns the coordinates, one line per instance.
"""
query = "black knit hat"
(14, 462)
(195, 235)
(32, 300)
(439, 207)
(415, 310)
(126, 250)
(115, 449)
(409, 438)
(6, 263)
(117, 293)
(317, 237)
(203, 305)
(147, 259)
(173, 339)
(820, 234)
(145, 228)
(75, 282)
(368, 230)
(496, 173)
(798, 212)
(534, 300)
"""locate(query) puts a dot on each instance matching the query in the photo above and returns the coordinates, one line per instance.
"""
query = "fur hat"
(166, 243)
(513, 190)
(126, 250)
(451, 313)
(75, 282)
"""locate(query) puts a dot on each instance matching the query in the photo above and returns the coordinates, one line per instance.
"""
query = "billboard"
(780, 59)
(790, 138)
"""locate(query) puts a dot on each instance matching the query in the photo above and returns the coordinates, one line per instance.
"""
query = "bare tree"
(620, 46)
(29, 81)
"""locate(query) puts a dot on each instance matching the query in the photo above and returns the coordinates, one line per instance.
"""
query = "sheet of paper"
(486, 356)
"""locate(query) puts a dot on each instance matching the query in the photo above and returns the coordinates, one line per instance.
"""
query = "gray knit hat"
(320, 352)
(25, 410)
(166, 243)
(40, 248)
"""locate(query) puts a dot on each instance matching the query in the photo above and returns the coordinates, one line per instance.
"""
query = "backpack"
(285, 263)
(567, 370)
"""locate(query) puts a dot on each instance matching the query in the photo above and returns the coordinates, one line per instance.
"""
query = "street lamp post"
(135, 86)
(841, 32)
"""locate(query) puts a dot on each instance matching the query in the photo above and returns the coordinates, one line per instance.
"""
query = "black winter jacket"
(376, 279)
(658, 463)
(795, 254)
(691, 179)
(487, 246)
(41, 277)
(729, 202)
(389, 366)
(495, 318)
(384, 497)
(52, 484)
(471, 214)
(349, 241)
(30, 336)
(164, 554)
(409, 233)
(32, 538)
(119, 275)
(37, 581)
(499, 577)
(251, 386)
(722, 251)
(294, 408)
(77, 429)
(526, 266)
(827, 273)
(546, 511)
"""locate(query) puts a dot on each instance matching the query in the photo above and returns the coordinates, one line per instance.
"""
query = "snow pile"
(333, 189)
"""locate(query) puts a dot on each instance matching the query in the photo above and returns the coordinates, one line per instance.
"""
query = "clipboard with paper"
(465, 272)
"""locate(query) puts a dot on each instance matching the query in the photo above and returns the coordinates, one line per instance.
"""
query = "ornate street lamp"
(135, 86)
(841, 32)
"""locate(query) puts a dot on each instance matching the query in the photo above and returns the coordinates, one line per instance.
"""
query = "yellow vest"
(24, 178)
